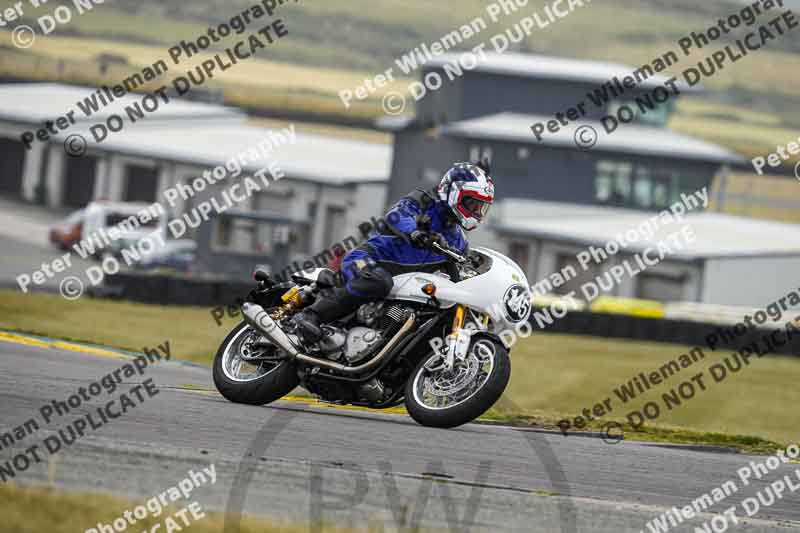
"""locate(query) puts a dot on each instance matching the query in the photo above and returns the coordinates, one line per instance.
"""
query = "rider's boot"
(326, 309)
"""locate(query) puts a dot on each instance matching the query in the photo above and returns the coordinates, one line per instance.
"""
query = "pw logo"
(517, 302)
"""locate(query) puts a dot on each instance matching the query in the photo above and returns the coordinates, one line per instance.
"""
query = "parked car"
(67, 232)
(176, 255)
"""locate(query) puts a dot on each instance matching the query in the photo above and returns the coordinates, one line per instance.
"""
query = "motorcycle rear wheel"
(267, 383)
(437, 398)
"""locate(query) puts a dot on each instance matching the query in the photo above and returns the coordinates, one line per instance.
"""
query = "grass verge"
(554, 376)
(655, 433)
(36, 509)
(193, 333)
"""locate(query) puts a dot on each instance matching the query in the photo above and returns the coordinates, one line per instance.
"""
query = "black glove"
(424, 239)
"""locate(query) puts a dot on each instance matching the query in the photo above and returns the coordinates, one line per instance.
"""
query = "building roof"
(557, 68)
(717, 235)
(196, 133)
(34, 103)
(627, 138)
(316, 158)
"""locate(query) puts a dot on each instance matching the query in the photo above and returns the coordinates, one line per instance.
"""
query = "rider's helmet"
(468, 190)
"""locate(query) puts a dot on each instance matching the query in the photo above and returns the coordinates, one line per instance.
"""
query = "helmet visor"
(476, 207)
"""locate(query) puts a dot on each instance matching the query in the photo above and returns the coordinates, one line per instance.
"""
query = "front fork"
(457, 343)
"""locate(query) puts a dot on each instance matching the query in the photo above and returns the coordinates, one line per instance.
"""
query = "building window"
(613, 182)
(658, 116)
(478, 153)
(243, 235)
(660, 287)
(275, 204)
(665, 188)
(236, 235)
(141, 184)
(643, 188)
(602, 187)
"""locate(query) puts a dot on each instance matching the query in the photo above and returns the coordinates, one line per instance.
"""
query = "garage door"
(141, 185)
(12, 164)
(79, 184)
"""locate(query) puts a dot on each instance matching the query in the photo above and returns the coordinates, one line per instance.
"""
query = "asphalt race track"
(291, 461)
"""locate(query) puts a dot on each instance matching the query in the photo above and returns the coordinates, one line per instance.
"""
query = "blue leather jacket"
(392, 243)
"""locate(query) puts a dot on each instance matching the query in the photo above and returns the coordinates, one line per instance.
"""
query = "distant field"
(760, 197)
(332, 46)
(256, 83)
(749, 134)
(553, 376)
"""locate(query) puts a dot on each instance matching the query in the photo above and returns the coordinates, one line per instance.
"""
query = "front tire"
(267, 383)
(445, 399)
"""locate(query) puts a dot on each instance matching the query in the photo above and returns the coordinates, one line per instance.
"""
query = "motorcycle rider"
(460, 202)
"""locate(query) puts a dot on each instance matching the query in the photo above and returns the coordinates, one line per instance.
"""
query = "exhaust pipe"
(259, 319)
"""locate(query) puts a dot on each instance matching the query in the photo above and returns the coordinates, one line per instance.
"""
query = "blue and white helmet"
(469, 191)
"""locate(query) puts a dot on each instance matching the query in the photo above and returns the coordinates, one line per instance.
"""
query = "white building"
(330, 186)
(71, 181)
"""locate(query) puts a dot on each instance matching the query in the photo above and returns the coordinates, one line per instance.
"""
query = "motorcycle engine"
(386, 321)
(360, 342)
(333, 341)
(367, 314)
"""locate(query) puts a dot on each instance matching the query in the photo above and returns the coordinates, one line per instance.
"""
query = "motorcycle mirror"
(261, 274)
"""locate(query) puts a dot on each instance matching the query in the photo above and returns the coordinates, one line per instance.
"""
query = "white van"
(132, 221)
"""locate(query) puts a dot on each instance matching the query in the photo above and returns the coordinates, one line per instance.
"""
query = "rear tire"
(472, 407)
(275, 384)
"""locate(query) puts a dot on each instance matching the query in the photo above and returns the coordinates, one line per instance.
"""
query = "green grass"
(557, 375)
(192, 332)
(38, 509)
(554, 376)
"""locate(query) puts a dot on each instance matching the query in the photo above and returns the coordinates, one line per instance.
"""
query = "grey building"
(730, 260)
(489, 111)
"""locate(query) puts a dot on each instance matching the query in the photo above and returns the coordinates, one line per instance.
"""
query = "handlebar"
(447, 251)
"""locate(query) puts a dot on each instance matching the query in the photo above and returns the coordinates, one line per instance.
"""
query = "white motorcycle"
(433, 344)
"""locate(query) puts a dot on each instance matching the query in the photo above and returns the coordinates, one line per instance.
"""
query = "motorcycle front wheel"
(448, 398)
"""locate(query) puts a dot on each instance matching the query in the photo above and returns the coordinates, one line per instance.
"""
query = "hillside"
(336, 45)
